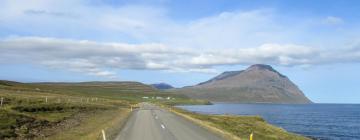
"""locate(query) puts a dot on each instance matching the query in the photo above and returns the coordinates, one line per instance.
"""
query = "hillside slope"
(257, 84)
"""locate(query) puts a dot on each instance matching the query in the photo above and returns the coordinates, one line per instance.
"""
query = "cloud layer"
(99, 58)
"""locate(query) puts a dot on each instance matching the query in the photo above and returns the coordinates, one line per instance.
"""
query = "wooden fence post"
(103, 134)
(2, 100)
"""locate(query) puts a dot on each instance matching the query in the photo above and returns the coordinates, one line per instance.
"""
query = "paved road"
(150, 122)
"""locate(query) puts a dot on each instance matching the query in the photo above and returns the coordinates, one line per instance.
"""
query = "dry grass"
(90, 128)
(26, 114)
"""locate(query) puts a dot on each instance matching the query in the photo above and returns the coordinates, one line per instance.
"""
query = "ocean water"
(319, 121)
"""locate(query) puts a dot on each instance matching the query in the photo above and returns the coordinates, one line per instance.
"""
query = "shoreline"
(214, 123)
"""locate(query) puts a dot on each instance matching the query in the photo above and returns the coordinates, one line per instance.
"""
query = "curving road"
(150, 122)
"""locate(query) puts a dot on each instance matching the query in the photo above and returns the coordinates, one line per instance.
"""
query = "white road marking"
(162, 126)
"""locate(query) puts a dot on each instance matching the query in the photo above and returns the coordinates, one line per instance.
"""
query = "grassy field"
(110, 90)
(27, 115)
(32, 111)
(77, 110)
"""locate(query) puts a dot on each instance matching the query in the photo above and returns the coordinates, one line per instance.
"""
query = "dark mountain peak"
(264, 67)
(260, 66)
(162, 86)
(222, 76)
(259, 83)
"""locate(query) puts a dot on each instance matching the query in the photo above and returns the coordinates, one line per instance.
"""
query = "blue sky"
(315, 43)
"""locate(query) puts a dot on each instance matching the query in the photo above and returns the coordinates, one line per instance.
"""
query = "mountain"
(162, 86)
(257, 84)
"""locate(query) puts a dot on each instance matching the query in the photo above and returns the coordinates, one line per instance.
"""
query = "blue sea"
(319, 121)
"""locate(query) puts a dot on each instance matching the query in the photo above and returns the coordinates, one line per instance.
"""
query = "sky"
(316, 43)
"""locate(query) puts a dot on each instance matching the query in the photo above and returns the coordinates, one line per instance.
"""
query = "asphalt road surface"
(150, 122)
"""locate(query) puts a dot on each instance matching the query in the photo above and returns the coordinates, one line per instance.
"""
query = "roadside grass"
(34, 113)
(238, 127)
(90, 127)
(28, 121)
(7, 121)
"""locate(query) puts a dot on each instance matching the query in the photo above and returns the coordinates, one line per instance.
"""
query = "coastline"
(240, 128)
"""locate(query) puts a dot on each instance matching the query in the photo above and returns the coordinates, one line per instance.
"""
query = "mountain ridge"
(259, 83)
(162, 86)
(223, 75)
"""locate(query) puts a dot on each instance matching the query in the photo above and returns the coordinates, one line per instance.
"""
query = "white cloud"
(96, 58)
(79, 65)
